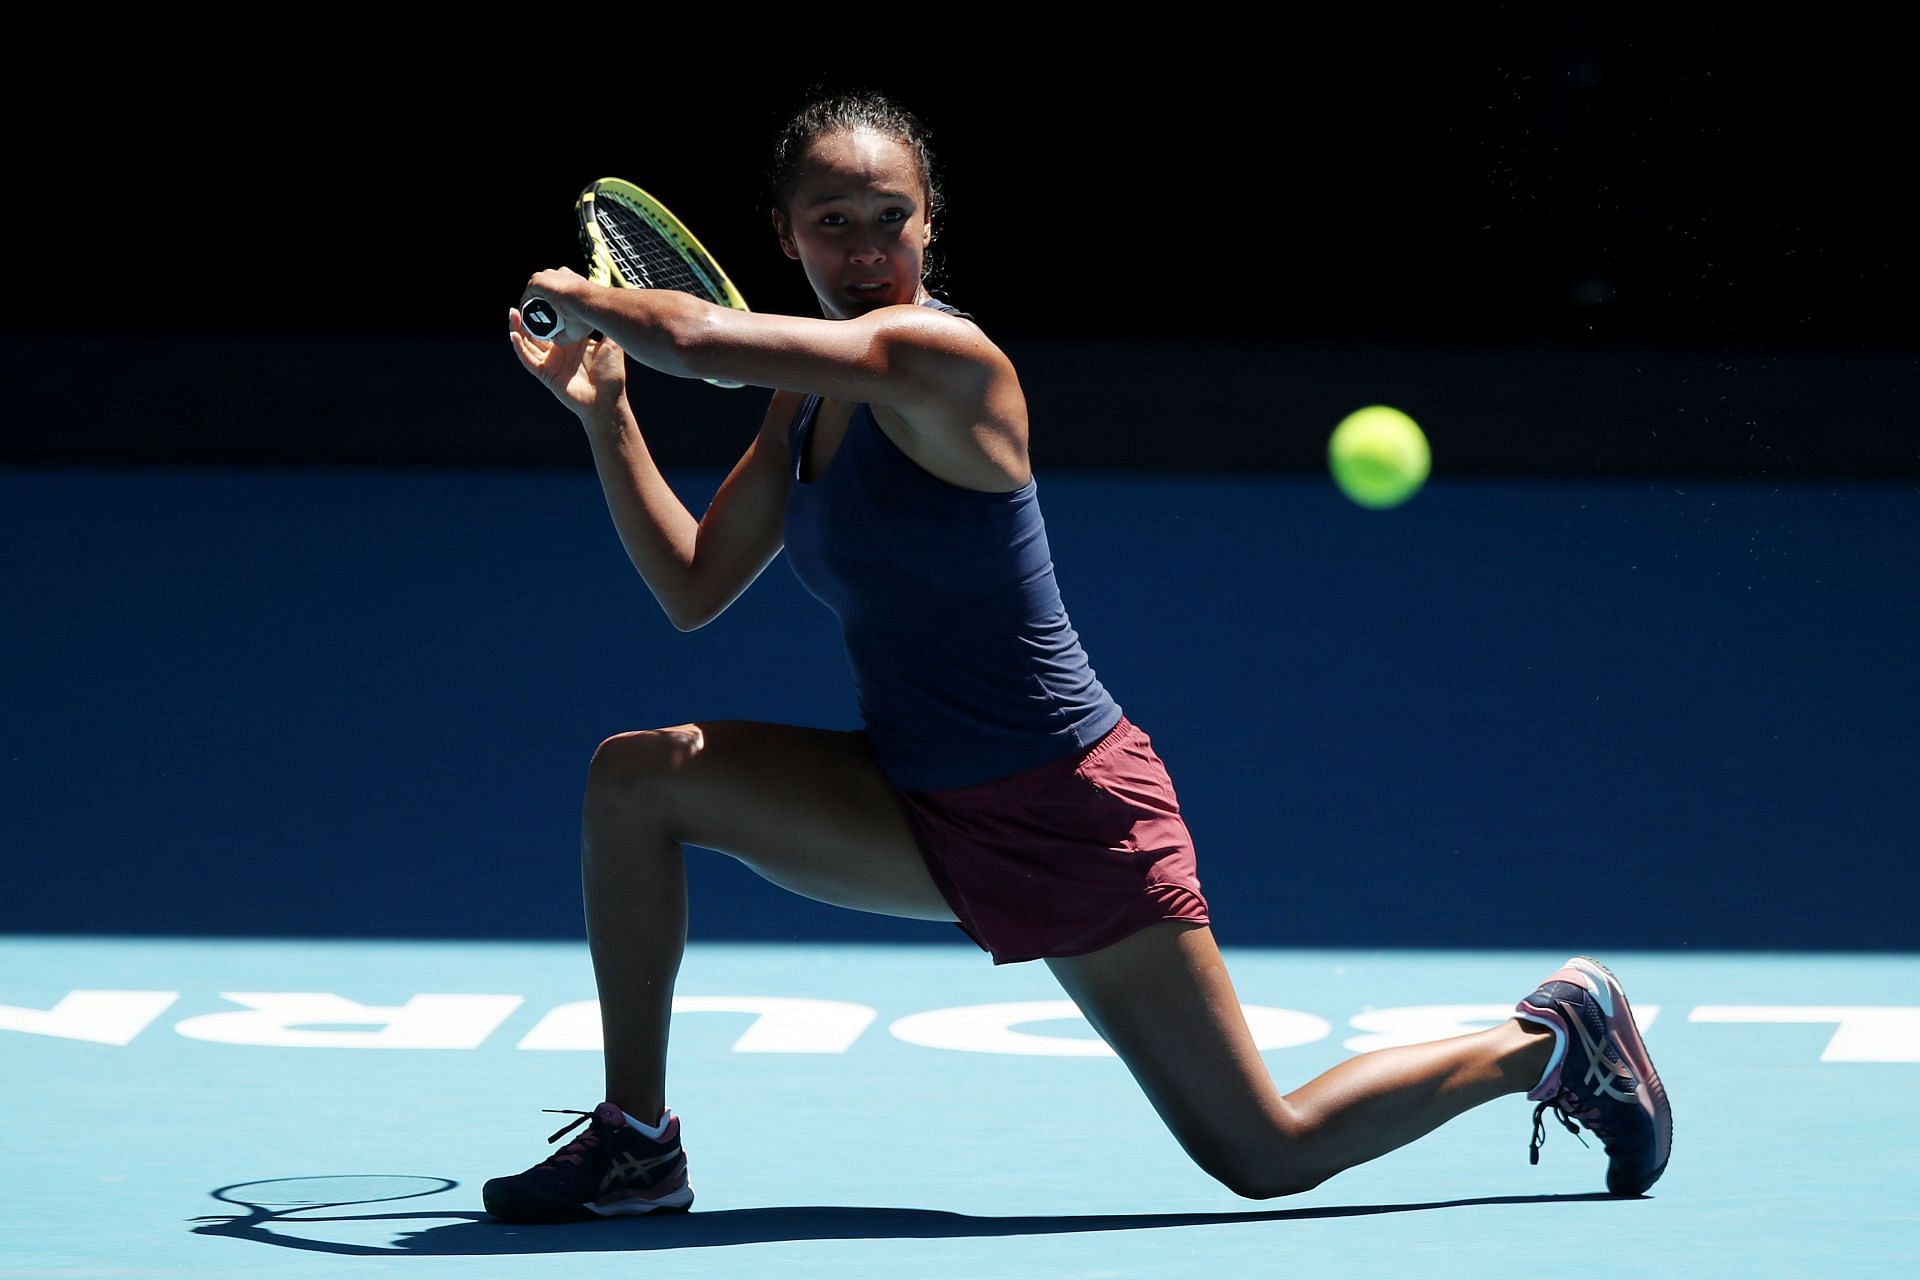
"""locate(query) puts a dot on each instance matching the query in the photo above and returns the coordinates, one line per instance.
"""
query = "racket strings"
(646, 258)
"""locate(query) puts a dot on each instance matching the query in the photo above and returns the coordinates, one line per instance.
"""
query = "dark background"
(313, 615)
(1575, 244)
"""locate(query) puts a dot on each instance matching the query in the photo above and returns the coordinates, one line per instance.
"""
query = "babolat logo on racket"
(541, 318)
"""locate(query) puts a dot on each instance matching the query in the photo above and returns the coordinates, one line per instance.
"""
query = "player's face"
(858, 223)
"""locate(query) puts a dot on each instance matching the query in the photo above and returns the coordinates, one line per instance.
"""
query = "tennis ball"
(1379, 456)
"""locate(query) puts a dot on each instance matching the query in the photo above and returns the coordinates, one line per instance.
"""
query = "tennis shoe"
(1600, 1076)
(611, 1170)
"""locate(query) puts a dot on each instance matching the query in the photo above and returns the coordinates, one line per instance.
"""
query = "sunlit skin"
(858, 214)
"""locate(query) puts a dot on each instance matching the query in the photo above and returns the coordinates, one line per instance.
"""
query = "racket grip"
(540, 318)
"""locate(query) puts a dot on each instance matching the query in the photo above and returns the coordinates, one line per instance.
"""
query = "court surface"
(881, 1110)
(324, 710)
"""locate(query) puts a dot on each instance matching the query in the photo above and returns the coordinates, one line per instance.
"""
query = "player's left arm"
(907, 357)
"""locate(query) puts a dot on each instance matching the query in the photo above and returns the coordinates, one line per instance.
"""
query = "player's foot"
(611, 1170)
(1600, 1074)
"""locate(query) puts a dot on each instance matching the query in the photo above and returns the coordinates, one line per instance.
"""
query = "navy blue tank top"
(964, 662)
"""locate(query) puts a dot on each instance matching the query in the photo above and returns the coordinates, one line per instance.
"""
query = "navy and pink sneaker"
(1600, 1074)
(611, 1170)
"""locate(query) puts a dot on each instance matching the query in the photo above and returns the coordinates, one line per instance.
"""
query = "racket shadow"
(474, 1233)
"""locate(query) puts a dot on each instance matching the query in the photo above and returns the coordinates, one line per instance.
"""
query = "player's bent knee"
(626, 767)
(1257, 1175)
(1266, 1183)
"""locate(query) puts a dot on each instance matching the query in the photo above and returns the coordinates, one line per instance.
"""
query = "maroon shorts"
(1064, 859)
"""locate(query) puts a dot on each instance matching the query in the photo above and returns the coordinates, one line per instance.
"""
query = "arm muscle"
(744, 527)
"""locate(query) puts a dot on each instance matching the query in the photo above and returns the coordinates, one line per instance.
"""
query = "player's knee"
(1268, 1184)
(628, 769)
(1263, 1175)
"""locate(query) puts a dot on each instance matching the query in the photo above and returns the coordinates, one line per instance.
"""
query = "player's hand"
(559, 283)
(589, 376)
(563, 288)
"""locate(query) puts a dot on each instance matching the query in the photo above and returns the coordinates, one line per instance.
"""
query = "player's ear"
(787, 245)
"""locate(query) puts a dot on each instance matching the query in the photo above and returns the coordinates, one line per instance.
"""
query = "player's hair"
(825, 114)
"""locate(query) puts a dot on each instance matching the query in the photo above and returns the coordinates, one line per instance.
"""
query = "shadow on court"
(471, 1234)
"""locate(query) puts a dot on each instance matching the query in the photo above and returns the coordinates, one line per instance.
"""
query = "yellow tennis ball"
(1379, 456)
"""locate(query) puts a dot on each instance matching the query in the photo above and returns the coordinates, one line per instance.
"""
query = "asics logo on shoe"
(625, 1169)
(1599, 1066)
(1601, 989)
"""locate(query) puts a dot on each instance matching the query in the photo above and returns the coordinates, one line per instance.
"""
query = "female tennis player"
(995, 783)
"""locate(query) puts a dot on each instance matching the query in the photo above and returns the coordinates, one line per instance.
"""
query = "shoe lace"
(576, 1151)
(1567, 1108)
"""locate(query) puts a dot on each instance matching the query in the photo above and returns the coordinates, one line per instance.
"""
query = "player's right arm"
(695, 568)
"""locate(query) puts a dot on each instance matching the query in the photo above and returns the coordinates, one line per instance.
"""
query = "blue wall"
(1526, 712)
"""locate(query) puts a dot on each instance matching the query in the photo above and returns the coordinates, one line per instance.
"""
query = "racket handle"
(542, 321)
(540, 318)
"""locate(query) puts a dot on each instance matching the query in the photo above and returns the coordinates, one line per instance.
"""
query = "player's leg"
(808, 809)
(1162, 999)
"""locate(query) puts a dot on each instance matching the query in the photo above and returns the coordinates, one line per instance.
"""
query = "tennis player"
(995, 782)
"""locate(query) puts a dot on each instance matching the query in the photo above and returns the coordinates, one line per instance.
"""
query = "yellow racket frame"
(662, 219)
(603, 270)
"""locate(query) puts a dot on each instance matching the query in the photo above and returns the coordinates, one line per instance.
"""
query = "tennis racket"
(632, 241)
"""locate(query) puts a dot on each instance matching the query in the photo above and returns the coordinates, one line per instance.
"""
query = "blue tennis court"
(262, 725)
(876, 1110)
